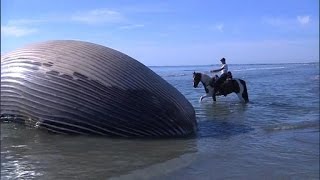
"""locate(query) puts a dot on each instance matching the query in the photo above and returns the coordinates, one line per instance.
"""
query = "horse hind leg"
(243, 98)
(243, 93)
(240, 97)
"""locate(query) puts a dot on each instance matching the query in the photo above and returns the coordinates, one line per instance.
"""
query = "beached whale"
(75, 87)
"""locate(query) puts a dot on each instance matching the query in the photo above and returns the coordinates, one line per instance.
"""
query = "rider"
(224, 75)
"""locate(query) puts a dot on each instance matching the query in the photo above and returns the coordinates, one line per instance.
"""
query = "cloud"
(287, 22)
(16, 31)
(132, 26)
(98, 16)
(219, 27)
(276, 21)
(303, 20)
(20, 27)
(19, 22)
(152, 7)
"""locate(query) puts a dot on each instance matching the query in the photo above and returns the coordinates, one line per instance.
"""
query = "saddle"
(220, 89)
(213, 80)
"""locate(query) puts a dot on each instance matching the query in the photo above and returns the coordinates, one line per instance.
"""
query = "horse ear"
(194, 72)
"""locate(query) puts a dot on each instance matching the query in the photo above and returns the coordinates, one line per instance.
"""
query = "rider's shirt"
(224, 69)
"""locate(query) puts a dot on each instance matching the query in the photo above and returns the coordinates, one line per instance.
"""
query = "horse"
(233, 85)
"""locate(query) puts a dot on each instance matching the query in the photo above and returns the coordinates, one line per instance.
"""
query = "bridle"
(196, 79)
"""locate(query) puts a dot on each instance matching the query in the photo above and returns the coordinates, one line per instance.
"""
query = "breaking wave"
(291, 126)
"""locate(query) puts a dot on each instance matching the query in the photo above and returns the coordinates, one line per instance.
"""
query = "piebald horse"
(233, 85)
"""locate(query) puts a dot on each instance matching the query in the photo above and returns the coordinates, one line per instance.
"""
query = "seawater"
(275, 136)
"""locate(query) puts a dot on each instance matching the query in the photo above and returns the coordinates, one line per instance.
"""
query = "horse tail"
(245, 91)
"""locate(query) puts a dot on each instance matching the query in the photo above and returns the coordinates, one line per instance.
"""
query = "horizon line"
(313, 62)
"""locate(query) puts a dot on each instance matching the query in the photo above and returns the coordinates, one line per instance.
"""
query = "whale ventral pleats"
(76, 87)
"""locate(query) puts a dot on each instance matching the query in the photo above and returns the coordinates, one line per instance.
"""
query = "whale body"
(76, 87)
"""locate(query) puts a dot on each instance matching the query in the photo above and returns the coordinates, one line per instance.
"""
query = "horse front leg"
(204, 96)
(214, 97)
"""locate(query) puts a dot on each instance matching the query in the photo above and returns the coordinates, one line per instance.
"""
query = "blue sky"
(172, 32)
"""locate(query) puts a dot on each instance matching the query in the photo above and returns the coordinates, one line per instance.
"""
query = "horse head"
(196, 79)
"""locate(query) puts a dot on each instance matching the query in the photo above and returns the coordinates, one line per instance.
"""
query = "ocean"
(274, 136)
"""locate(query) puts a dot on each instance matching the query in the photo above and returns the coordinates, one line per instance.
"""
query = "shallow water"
(275, 136)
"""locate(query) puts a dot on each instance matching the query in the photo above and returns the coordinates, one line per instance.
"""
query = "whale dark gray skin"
(76, 87)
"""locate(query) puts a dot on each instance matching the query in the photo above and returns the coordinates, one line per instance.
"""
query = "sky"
(172, 32)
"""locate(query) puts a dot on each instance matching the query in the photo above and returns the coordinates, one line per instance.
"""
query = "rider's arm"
(217, 70)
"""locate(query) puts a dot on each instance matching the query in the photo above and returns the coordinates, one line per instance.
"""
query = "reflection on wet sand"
(40, 154)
